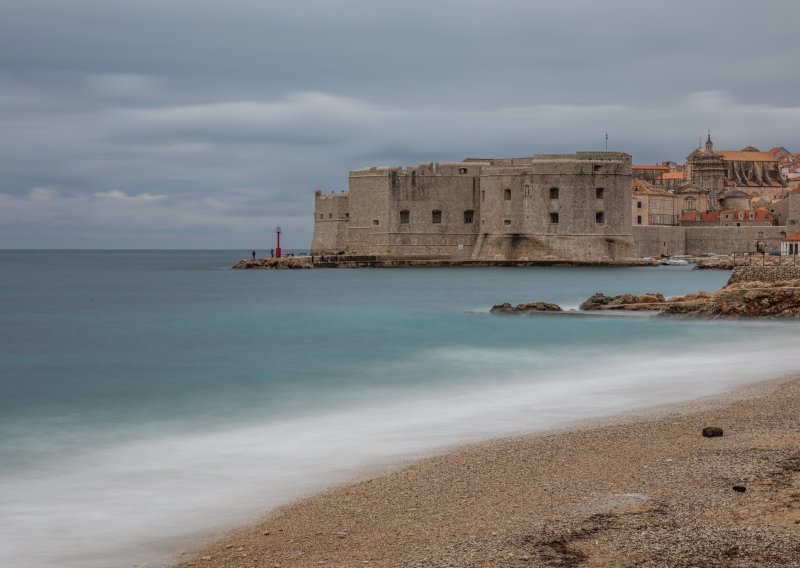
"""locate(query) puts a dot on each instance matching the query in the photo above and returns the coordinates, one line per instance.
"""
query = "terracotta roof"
(672, 175)
(648, 167)
(746, 156)
(795, 237)
(641, 187)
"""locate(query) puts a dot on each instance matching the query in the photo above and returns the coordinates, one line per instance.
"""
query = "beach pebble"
(205, 558)
(341, 534)
(739, 488)
(712, 431)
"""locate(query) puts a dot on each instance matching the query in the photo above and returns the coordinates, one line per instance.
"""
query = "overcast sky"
(203, 124)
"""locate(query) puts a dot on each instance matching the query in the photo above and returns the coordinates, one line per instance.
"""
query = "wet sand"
(644, 489)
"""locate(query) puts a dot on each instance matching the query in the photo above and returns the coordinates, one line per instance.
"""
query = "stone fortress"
(587, 207)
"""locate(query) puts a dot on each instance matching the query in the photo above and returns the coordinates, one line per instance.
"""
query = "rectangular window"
(462, 170)
(638, 205)
(506, 221)
(598, 193)
(638, 219)
(437, 217)
(405, 217)
(554, 218)
(507, 194)
(483, 196)
(469, 215)
(599, 218)
(597, 167)
(322, 215)
(330, 215)
(553, 193)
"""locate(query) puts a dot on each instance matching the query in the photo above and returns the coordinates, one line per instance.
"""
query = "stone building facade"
(573, 207)
(749, 170)
(652, 206)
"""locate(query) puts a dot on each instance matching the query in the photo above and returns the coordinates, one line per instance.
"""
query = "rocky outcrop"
(600, 301)
(750, 299)
(743, 300)
(730, 303)
(274, 263)
(522, 309)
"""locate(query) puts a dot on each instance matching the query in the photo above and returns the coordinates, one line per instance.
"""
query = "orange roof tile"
(795, 237)
(742, 156)
(672, 175)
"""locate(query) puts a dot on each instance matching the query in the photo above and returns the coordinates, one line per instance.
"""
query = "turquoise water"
(148, 396)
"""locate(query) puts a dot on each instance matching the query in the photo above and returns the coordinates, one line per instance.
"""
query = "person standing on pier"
(254, 255)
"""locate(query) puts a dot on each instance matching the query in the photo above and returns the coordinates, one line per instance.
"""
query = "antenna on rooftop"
(606, 140)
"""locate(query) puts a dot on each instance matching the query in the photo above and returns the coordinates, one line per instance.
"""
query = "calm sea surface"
(149, 396)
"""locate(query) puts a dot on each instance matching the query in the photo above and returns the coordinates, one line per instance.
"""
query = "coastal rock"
(600, 301)
(274, 263)
(521, 309)
(712, 431)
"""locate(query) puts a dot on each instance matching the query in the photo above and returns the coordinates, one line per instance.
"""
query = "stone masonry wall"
(764, 273)
(655, 240)
(331, 217)
(728, 240)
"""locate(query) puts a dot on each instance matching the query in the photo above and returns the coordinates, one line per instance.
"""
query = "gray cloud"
(203, 124)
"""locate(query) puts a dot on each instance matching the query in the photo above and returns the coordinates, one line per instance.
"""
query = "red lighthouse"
(278, 248)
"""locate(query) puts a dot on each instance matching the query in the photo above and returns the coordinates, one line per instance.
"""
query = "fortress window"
(554, 194)
(638, 219)
(483, 196)
(462, 170)
(437, 216)
(330, 215)
(376, 222)
(599, 218)
(507, 194)
(506, 221)
(598, 193)
(597, 167)
(638, 205)
(347, 215)
(322, 215)
(405, 217)
(469, 215)
(554, 218)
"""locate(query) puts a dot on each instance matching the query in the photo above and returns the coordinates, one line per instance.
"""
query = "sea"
(151, 398)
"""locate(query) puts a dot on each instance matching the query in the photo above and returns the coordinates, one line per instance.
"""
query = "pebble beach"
(642, 489)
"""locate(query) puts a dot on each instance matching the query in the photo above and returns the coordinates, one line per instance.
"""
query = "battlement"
(332, 195)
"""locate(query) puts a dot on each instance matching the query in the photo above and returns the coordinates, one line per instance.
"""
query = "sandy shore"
(644, 489)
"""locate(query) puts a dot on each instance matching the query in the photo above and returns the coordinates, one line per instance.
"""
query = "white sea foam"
(133, 503)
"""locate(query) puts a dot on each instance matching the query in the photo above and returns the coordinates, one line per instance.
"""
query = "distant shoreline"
(643, 487)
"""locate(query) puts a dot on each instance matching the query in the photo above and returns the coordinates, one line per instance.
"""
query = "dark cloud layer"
(203, 124)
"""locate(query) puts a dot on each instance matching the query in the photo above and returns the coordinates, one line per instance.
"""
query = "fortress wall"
(331, 216)
(577, 248)
(659, 240)
(368, 229)
(452, 190)
(525, 219)
(727, 240)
